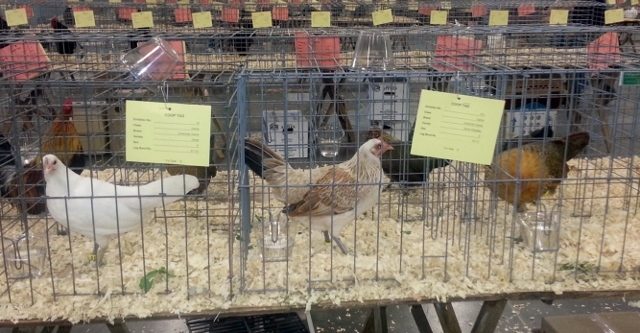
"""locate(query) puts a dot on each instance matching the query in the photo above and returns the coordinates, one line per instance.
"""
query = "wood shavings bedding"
(398, 256)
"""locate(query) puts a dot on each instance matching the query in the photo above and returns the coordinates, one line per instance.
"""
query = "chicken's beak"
(386, 147)
(47, 165)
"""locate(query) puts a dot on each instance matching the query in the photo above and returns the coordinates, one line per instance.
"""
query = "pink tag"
(526, 9)
(180, 70)
(28, 9)
(320, 51)
(479, 10)
(124, 13)
(80, 9)
(22, 61)
(604, 51)
(231, 15)
(183, 15)
(296, 2)
(455, 53)
(280, 13)
(426, 9)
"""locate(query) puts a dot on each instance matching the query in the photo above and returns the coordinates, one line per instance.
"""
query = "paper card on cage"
(479, 10)
(456, 53)
(457, 127)
(230, 15)
(438, 17)
(202, 20)
(526, 9)
(604, 51)
(23, 61)
(157, 132)
(115, 1)
(180, 71)
(261, 20)
(84, 18)
(380, 17)
(499, 17)
(320, 19)
(280, 13)
(559, 17)
(16, 17)
(142, 19)
(317, 51)
(634, 2)
(613, 16)
(182, 15)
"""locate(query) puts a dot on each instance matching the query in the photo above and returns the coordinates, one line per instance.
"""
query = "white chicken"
(87, 205)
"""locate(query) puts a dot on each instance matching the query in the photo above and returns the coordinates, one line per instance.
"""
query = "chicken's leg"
(337, 240)
(327, 238)
(98, 254)
(340, 244)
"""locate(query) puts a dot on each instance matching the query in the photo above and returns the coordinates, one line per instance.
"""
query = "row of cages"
(254, 231)
(301, 202)
(122, 56)
(179, 16)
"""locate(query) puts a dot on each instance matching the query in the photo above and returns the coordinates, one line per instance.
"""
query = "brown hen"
(523, 175)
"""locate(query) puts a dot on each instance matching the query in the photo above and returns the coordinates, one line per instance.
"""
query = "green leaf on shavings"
(580, 267)
(157, 275)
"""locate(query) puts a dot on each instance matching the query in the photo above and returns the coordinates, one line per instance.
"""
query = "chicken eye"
(55, 162)
(379, 146)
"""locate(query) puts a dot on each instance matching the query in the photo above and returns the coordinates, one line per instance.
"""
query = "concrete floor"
(518, 316)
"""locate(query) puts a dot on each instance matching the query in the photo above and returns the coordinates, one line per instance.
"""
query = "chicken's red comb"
(67, 106)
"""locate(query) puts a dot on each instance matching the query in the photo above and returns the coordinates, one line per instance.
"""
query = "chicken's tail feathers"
(167, 190)
(576, 143)
(255, 152)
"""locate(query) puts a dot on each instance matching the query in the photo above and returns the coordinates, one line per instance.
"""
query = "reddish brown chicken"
(21, 186)
(24, 186)
(539, 166)
(63, 140)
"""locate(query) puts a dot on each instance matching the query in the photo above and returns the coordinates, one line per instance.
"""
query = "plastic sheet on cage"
(157, 60)
(317, 51)
(604, 51)
(23, 60)
(456, 53)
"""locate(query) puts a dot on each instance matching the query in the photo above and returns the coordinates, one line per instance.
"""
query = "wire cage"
(443, 225)
(76, 108)
(315, 96)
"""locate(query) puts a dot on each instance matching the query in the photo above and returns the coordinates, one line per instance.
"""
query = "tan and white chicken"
(327, 197)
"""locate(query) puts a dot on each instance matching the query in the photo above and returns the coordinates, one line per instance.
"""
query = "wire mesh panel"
(76, 108)
(313, 99)
(537, 217)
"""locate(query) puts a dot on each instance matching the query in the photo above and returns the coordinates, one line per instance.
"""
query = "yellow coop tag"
(171, 133)
(457, 127)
